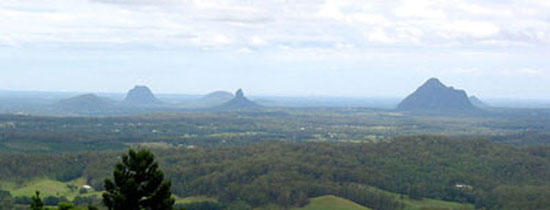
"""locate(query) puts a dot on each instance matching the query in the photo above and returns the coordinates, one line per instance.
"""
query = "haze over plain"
(493, 49)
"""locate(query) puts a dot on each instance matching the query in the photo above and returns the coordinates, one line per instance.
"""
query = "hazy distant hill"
(434, 96)
(239, 102)
(85, 103)
(141, 96)
(477, 102)
(210, 100)
(218, 96)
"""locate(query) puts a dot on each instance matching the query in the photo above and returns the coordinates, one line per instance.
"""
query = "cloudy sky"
(276, 47)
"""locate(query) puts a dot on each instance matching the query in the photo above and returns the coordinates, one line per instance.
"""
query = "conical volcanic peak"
(433, 83)
(239, 102)
(141, 95)
(434, 96)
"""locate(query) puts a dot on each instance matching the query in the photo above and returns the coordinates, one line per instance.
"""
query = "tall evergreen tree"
(138, 184)
(37, 203)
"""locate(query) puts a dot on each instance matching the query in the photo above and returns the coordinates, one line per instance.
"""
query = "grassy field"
(330, 202)
(49, 187)
(432, 204)
(194, 199)
(435, 205)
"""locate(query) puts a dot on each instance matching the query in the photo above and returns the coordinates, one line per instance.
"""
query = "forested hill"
(488, 174)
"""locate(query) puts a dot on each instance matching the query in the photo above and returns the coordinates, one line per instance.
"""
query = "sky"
(352, 48)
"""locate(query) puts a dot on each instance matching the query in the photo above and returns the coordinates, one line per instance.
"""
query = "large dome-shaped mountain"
(217, 97)
(141, 95)
(239, 102)
(434, 96)
(212, 99)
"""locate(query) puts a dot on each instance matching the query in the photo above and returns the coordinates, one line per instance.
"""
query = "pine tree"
(37, 203)
(138, 184)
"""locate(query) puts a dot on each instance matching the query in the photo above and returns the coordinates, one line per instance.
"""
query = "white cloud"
(419, 9)
(380, 36)
(468, 71)
(311, 24)
(476, 29)
(525, 72)
(370, 19)
(245, 50)
(332, 9)
(258, 41)
(209, 41)
(530, 72)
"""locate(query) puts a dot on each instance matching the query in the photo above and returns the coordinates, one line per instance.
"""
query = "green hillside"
(330, 202)
(48, 187)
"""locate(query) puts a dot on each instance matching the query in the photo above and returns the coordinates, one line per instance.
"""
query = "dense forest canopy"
(288, 173)
(378, 159)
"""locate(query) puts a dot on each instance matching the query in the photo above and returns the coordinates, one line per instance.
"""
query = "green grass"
(270, 206)
(194, 199)
(47, 187)
(336, 203)
(435, 204)
(429, 204)
(330, 202)
(153, 145)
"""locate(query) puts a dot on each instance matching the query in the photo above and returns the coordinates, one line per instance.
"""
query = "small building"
(464, 186)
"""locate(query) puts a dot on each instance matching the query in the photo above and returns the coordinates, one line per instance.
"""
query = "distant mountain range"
(434, 96)
(141, 99)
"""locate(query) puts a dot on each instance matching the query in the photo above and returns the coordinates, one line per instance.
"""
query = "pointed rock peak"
(239, 93)
(435, 96)
(239, 102)
(433, 82)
